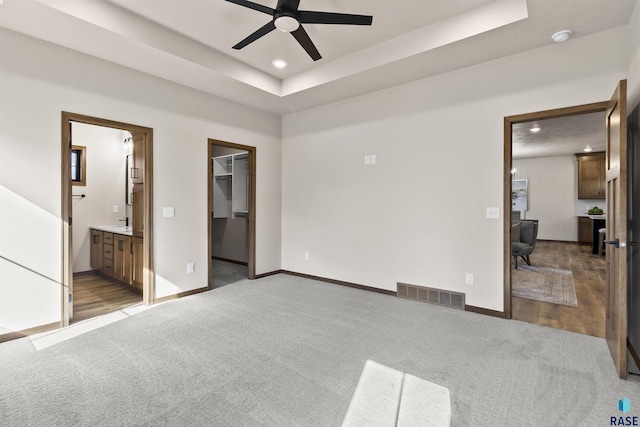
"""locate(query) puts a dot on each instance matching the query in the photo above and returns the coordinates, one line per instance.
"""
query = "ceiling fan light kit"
(286, 23)
(287, 18)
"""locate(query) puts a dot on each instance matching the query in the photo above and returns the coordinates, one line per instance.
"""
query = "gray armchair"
(523, 240)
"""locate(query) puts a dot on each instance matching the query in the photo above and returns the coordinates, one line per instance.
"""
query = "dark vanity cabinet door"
(96, 254)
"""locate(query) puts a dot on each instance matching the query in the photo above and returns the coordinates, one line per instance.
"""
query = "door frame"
(509, 121)
(251, 206)
(148, 288)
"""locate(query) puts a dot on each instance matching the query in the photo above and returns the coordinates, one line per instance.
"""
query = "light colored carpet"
(287, 351)
(544, 284)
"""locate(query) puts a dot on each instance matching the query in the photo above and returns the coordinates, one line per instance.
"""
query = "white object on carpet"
(387, 397)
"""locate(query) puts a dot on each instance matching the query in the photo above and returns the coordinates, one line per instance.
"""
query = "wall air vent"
(431, 295)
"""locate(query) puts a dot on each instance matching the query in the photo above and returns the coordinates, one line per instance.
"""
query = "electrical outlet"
(191, 267)
(493, 213)
(367, 160)
(306, 256)
(116, 209)
(469, 279)
(373, 159)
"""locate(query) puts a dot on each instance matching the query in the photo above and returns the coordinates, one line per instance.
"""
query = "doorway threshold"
(51, 338)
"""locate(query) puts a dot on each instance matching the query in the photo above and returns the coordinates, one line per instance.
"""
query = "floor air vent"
(431, 295)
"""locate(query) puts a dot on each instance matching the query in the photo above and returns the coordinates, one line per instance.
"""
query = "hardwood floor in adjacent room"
(95, 295)
(589, 279)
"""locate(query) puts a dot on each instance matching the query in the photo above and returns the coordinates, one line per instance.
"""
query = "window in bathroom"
(78, 165)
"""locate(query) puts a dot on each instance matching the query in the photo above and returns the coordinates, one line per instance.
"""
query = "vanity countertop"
(118, 229)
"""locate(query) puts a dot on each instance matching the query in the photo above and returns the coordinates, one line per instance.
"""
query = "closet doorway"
(231, 201)
(133, 264)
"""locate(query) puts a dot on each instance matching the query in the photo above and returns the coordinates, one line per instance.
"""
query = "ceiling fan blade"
(288, 4)
(254, 6)
(266, 29)
(312, 17)
(303, 38)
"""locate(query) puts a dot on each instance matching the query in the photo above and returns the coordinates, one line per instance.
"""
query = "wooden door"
(616, 275)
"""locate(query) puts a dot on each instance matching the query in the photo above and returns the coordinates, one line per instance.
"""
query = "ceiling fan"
(287, 18)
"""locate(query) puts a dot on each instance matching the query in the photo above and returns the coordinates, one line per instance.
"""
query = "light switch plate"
(116, 209)
(493, 213)
(373, 159)
(169, 212)
(367, 160)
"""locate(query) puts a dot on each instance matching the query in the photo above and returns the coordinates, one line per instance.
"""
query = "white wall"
(105, 188)
(418, 216)
(38, 81)
(634, 66)
(552, 191)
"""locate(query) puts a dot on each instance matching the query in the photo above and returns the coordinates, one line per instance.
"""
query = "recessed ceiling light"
(535, 129)
(279, 63)
(561, 36)
(587, 149)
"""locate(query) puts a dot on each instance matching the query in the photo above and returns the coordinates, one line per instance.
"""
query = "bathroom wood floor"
(95, 295)
(589, 279)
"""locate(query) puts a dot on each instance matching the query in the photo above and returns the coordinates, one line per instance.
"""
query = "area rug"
(544, 284)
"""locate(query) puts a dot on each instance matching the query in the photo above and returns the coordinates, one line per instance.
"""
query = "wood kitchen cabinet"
(584, 230)
(591, 175)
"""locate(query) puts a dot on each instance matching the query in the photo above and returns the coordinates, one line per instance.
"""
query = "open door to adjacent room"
(616, 278)
(615, 293)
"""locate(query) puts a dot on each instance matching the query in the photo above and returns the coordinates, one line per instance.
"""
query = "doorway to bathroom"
(107, 171)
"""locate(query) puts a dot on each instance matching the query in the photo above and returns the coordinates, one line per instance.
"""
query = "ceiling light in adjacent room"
(561, 36)
(587, 149)
(279, 63)
(535, 129)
